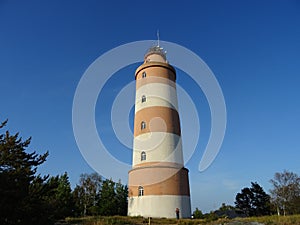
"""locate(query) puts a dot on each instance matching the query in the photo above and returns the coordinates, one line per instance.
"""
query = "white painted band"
(158, 147)
(159, 206)
(156, 94)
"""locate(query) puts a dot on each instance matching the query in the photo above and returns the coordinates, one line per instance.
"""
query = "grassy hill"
(122, 220)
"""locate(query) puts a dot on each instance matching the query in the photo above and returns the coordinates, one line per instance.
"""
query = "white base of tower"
(159, 206)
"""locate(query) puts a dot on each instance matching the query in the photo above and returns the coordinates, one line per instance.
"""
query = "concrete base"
(159, 206)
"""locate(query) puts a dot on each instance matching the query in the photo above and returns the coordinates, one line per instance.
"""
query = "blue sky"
(253, 48)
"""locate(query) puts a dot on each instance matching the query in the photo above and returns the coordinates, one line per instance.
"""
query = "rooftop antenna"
(157, 33)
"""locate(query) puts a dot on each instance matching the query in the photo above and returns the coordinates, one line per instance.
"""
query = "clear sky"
(253, 48)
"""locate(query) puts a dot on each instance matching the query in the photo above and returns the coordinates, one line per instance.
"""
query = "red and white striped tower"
(158, 181)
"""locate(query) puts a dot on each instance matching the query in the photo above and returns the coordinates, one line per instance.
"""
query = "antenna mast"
(157, 38)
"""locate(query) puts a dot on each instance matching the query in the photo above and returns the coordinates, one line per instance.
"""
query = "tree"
(17, 174)
(227, 211)
(211, 216)
(225, 207)
(198, 214)
(86, 195)
(37, 208)
(96, 197)
(64, 196)
(107, 201)
(58, 196)
(260, 201)
(243, 201)
(286, 192)
(79, 201)
(49, 200)
(121, 199)
(253, 201)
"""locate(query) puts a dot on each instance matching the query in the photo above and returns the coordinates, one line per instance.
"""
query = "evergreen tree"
(243, 201)
(107, 201)
(37, 208)
(121, 199)
(198, 214)
(253, 201)
(64, 197)
(261, 200)
(58, 196)
(17, 174)
(225, 207)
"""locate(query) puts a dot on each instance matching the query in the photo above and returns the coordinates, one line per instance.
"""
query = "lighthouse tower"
(158, 181)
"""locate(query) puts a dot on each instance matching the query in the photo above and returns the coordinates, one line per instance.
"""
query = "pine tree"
(253, 201)
(107, 201)
(121, 199)
(17, 173)
(58, 197)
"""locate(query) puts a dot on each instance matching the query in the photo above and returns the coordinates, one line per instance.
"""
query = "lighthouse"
(158, 182)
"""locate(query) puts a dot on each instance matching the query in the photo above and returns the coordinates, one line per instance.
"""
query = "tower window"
(143, 125)
(144, 74)
(143, 156)
(141, 191)
(143, 98)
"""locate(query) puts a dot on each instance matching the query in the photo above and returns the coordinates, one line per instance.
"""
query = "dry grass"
(275, 220)
(122, 220)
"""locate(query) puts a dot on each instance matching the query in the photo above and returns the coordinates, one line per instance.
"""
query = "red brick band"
(157, 119)
(176, 184)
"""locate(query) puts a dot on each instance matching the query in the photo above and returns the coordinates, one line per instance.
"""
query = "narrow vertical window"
(143, 98)
(143, 125)
(141, 191)
(143, 156)
(144, 74)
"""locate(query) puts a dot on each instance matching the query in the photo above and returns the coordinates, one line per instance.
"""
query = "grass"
(124, 220)
(280, 220)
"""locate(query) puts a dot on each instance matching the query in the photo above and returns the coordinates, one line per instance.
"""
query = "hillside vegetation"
(119, 220)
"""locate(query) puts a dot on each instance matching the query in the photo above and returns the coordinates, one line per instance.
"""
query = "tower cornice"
(159, 165)
(155, 64)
